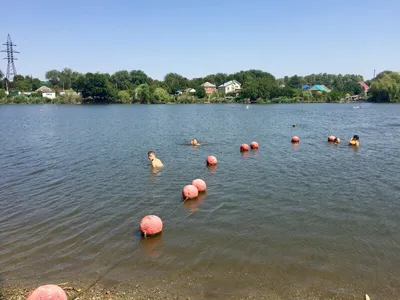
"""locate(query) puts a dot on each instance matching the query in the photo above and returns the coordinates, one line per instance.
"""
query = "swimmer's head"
(337, 140)
(151, 155)
(356, 137)
(294, 125)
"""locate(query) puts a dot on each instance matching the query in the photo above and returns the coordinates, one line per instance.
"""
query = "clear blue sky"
(196, 38)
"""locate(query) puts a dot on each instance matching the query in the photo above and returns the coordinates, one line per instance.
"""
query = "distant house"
(68, 92)
(209, 87)
(190, 90)
(46, 92)
(320, 88)
(230, 87)
(364, 86)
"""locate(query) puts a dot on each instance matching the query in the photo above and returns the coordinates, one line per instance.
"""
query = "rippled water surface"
(285, 220)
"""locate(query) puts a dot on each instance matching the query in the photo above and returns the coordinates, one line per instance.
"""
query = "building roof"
(208, 84)
(229, 83)
(319, 87)
(363, 85)
(305, 86)
(190, 90)
(44, 89)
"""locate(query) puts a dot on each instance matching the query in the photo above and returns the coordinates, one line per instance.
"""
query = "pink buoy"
(151, 225)
(295, 139)
(190, 192)
(254, 145)
(48, 292)
(41, 110)
(244, 147)
(199, 184)
(331, 138)
(211, 160)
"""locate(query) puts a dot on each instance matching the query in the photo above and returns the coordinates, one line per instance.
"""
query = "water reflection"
(295, 146)
(245, 154)
(151, 245)
(193, 204)
(212, 169)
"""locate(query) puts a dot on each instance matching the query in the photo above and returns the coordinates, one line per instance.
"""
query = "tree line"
(257, 86)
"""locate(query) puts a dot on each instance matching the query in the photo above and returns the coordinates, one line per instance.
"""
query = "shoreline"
(121, 291)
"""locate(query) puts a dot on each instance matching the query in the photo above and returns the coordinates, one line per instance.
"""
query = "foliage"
(385, 87)
(2, 93)
(161, 96)
(124, 97)
(257, 86)
(142, 93)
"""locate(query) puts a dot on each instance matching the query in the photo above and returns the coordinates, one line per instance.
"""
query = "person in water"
(355, 141)
(194, 142)
(336, 140)
(155, 162)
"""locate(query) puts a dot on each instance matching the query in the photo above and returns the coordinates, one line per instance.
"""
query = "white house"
(190, 90)
(46, 92)
(232, 86)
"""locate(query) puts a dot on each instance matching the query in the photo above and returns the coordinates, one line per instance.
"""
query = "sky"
(197, 38)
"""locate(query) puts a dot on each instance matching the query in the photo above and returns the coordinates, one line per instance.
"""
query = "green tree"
(385, 87)
(200, 92)
(161, 95)
(1, 74)
(36, 83)
(96, 88)
(142, 93)
(139, 77)
(121, 80)
(21, 83)
(65, 79)
(124, 97)
(54, 77)
(175, 82)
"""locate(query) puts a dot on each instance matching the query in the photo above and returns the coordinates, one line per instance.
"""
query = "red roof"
(364, 85)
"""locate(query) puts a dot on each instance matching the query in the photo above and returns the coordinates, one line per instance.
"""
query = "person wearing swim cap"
(155, 162)
(355, 141)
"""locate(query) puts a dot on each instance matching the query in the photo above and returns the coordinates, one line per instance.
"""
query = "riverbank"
(139, 292)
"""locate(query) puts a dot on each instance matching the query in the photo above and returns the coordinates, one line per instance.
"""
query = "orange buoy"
(295, 139)
(244, 147)
(151, 225)
(48, 292)
(211, 160)
(331, 138)
(190, 192)
(254, 145)
(200, 185)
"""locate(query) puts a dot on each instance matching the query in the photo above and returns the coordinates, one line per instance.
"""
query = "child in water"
(194, 142)
(155, 162)
(355, 141)
(336, 140)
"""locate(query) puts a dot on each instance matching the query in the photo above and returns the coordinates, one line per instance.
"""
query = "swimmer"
(155, 162)
(194, 142)
(336, 140)
(355, 141)
(294, 125)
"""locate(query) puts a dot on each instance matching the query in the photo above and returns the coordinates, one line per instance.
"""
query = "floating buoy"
(41, 110)
(151, 225)
(331, 138)
(190, 192)
(48, 292)
(199, 184)
(211, 160)
(254, 145)
(244, 147)
(295, 139)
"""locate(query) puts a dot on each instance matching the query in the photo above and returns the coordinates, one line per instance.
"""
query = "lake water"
(285, 222)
